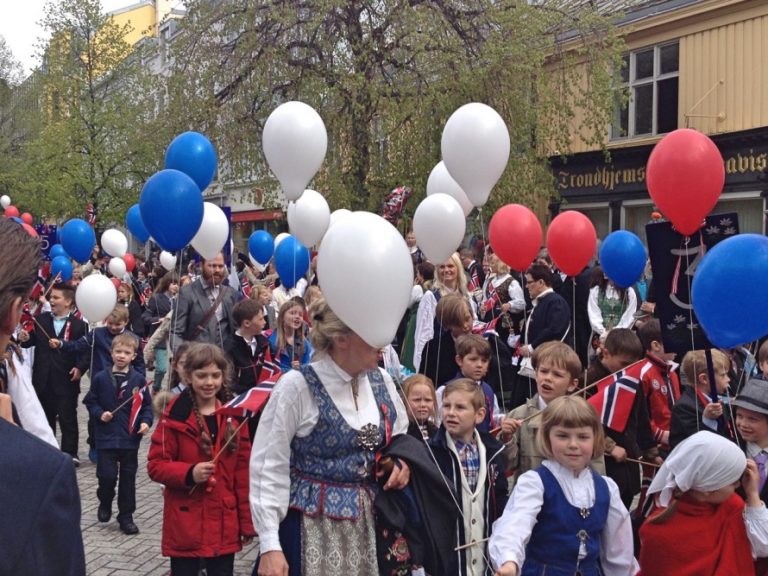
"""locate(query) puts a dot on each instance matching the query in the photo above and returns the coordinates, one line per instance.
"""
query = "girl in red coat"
(206, 513)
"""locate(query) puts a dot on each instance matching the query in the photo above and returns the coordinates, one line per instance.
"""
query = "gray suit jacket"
(193, 305)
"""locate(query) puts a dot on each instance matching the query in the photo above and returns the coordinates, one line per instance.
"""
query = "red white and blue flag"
(138, 399)
(615, 396)
(252, 401)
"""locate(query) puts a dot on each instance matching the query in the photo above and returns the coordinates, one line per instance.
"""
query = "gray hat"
(754, 396)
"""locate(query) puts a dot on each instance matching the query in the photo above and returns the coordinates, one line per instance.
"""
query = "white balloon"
(5, 201)
(338, 215)
(294, 142)
(213, 232)
(167, 260)
(441, 182)
(258, 266)
(309, 217)
(366, 275)
(280, 237)
(475, 147)
(96, 297)
(114, 243)
(117, 267)
(439, 224)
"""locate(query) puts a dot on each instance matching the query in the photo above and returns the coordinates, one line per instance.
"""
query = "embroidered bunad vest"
(330, 471)
(611, 309)
(562, 529)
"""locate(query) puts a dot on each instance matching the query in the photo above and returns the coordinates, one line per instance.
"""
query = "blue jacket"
(284, 357)
(101, 341)
(105, 397)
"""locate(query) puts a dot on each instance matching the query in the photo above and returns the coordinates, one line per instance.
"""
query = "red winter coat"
(659, 382)
(205, 523)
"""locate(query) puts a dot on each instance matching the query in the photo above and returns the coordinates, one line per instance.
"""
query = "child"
(453, 317)
(420, 400)
(202, 462)
(473, 356)
(287, 342)
(661, 385)
(557, 369)
(473, 463)
(699, 526)
(752, 423)
(762, 361)
(56, 375)
(249, 349)
(118, 430)
(563, 517)
(695, 410)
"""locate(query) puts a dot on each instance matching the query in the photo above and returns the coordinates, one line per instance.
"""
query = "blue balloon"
(193, 154)
(17, 219)
(728, 292)
(135, 224)
(78, 239)
(261, 246)
(623, 258)
(57, 250)
(291, 261)
(171, 208)
(62, 266)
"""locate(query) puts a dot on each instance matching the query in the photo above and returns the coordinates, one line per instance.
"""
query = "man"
(204, 312)
(475, 273)
(40, 532)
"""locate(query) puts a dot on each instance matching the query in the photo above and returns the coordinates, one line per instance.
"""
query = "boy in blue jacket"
(120, 404)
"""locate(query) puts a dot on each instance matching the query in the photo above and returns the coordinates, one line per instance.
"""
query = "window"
(649, 78)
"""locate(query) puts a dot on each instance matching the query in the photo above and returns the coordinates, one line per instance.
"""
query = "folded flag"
(139, 396)
(615, 396)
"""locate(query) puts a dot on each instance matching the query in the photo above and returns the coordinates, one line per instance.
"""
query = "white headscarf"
(705, 461)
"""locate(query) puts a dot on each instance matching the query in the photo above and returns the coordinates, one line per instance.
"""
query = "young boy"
(249, 349)
(762, 361)
(695, 410)
(56, 375)
(557, 369)
(120, 424)
(661, 384)
(473, 463)
(752, 423)
(473, 356)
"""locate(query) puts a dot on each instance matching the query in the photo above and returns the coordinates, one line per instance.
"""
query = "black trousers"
(118, 464)
(218, 566)
(63, 407)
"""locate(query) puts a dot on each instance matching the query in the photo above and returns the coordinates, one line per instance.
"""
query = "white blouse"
(627, 319)
(515, 292)
(512, 531)
(292, 412)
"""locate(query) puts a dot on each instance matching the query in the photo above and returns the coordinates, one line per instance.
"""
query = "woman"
(502, 297)
(135, 320)
(609, 306)
(287, 343)
(312, 466)
(450, 278)
(158, 307)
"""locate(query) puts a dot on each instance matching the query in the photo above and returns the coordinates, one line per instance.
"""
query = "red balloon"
(11, 212)
(571, 241)
(31, 231)
(116, 282)
(27, 218)
(130, 261)
(515, 235)
(685, 175)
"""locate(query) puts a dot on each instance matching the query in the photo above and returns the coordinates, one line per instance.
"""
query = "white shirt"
(515, 292)
(292, 412)
(627, 319)
(512, 531)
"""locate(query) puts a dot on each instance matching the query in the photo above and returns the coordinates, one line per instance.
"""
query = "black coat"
(438, 359)
(549, 320)
(247, 365)
(581, 331)
(687, 418)
(50, 371)
(40, 532)
(157, 308)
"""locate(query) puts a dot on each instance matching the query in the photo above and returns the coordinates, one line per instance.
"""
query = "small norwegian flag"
(616, 395)
(251, 402)
(138, 399)
(90, 214)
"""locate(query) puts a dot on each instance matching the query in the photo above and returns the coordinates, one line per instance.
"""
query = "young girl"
(699, 526)
(125, 297)
(287, 343)
(420, 400)
(203, 466)
(563, 518)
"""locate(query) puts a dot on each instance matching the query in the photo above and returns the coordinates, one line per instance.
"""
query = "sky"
(19, 26)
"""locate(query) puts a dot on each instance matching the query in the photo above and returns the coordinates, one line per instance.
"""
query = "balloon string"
(685, 242)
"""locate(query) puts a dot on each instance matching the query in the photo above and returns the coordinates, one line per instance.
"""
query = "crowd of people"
(518, 424)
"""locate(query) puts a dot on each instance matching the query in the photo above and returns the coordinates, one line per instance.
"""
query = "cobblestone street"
(109, 552)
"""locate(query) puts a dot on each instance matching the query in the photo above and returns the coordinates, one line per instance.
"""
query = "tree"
(96, 141)
(385, 75)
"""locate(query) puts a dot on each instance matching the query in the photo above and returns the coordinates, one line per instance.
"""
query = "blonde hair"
(127, 340)
(569, 412)
(312, 294)
(325, 326)
(282, 337)
(452, 311)
(418, 380)
(461, 277)
(469, 386)
(559, 355)
(695, 363)
(119, 314)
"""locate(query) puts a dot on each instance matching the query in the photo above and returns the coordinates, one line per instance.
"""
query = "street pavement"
(109, 552)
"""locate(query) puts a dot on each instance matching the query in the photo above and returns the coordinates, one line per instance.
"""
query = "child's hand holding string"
(750, 481)
(713, 410)
(508, 428)
(143, 428)
(507, 569)
(106, 416)
(202, 471)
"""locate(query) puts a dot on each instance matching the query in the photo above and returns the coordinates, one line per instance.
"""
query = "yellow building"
(699, 64)
(144, 18)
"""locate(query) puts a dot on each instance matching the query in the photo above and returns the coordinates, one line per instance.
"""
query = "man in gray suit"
(204, 310)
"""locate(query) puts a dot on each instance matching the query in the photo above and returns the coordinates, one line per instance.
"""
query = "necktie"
(760, 460)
